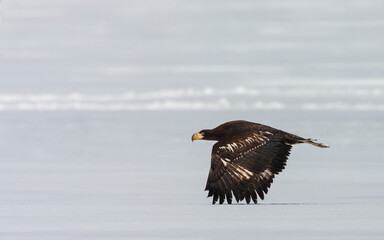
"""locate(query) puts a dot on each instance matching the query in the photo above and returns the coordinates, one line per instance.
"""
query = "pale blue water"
(133, 175)
(98, 101)
(117, 46)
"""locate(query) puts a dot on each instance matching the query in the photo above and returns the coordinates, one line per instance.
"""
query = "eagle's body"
(246, 158)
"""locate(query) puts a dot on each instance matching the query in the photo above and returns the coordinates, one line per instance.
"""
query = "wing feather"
(248, 196)
(254, 196)
(245, 165)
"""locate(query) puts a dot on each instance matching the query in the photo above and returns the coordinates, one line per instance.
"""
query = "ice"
(136, 175)
(99, 99)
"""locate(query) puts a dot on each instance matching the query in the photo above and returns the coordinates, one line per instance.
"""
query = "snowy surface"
(136, 175)
(99, 99)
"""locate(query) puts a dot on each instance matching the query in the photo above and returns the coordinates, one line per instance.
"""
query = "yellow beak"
(197, 136)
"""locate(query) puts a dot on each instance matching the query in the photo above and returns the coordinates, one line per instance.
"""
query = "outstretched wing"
(245, 164)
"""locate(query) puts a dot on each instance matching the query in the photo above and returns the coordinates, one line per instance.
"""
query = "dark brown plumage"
(246, 158)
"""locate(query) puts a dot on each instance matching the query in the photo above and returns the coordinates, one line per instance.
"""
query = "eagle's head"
(198, 135)
(207, 134)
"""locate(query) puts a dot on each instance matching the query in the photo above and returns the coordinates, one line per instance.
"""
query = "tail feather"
(294, 139)
(314, 143)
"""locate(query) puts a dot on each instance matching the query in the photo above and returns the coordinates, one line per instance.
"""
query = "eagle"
(246, 158)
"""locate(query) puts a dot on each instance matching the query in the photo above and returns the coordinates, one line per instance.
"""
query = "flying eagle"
(246, 158)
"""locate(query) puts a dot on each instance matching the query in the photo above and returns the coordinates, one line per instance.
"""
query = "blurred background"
(99, 99)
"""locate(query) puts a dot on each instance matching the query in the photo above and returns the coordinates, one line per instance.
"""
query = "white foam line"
(190, 93)
(218, 105)
(241, 98)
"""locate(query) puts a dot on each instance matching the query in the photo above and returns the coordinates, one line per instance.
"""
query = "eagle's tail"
(293, 139)
(314, 143)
